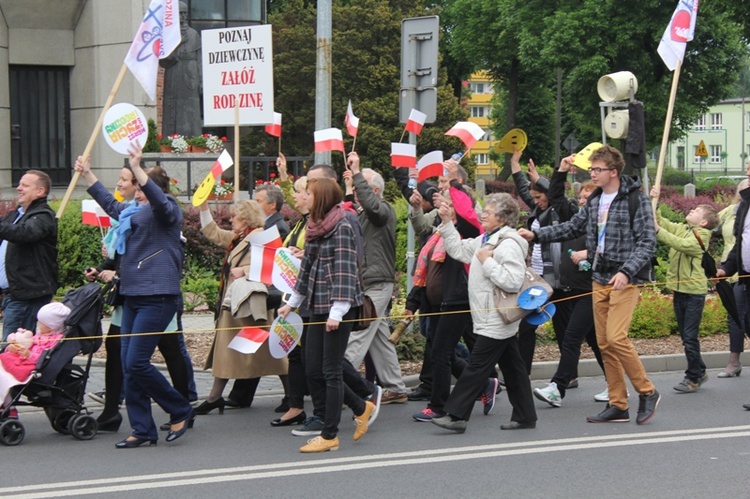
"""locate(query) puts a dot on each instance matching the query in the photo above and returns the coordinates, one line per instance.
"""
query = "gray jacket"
(378, 220)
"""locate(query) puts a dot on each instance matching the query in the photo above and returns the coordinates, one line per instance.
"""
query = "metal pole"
(558, 117)
(742, 153)
(324, 67)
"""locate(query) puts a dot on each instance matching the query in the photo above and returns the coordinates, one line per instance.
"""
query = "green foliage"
(78, 246)
(411, 345)
(152, 142)
(714, 318)
(200, 286)
(670, 176)
(654, 316)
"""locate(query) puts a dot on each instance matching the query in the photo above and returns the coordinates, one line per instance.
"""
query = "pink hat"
(53, 316)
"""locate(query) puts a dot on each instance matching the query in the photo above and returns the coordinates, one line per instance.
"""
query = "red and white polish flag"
(222, 164)
(415, 122)
(468, 132)
(263, 248)
(156, 38)
(93, 214)
(275, 127)
(329, 139)
(403, 155)
(430, 165)
(351, 121)
(249, 339)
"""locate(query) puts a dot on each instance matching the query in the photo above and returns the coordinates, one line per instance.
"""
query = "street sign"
(571, 143)
(419, 66)
(701, 151)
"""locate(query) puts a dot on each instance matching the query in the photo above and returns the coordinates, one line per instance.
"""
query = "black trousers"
(486, 353)
(444, 338)
(324, 356)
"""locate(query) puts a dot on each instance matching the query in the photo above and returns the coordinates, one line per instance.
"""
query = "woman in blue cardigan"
(149, 242)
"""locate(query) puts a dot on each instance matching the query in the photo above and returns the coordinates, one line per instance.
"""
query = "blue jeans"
(143, 382)
(21, 313)
(689, 310)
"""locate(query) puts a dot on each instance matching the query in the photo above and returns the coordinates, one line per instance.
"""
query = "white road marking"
(427, 456)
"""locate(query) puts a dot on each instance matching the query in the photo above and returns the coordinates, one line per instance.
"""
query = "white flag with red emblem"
(275, 127)
(351, 121)
(93, 214)
(415, 122)
(329, 139)
(680, 30)
(263, 248)
(249, 339)
(156, 38)
(468, 132)
(403, 155)
(430, 165)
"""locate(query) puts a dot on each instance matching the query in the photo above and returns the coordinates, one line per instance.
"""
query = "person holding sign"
(226, 363)
(329, 286)
(151, 266)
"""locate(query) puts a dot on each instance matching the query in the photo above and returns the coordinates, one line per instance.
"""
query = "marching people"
(152, 256)
(620, 244)
(497, 259)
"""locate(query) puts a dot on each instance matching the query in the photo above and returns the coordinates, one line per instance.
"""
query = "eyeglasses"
(599, 170)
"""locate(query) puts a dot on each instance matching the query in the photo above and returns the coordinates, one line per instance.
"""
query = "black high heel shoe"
(132, 443)
(111, 424)
(174, 435)
(207, 406)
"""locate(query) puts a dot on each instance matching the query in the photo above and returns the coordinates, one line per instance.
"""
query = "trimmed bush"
(653, 316)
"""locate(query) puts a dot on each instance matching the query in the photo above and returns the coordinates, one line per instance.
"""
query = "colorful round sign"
(285, 270)
(124, 123)
(285, 334)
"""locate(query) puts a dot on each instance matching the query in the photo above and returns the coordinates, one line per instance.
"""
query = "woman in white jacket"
(493, 265)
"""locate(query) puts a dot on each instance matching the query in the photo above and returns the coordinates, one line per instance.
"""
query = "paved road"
(696, 446)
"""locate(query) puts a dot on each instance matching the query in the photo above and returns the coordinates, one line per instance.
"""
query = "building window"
(701, 123)
(714, 154)
(481, 159)
(478, 111)
(716, 121)
(212, 14)
(476, 88)
(487, 135)
(747, 120)
(696, 159)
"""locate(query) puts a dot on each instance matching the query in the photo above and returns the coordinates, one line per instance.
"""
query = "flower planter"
(197, 149)
(166, 149)
(223, 197)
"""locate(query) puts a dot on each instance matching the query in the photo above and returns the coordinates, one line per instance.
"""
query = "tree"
(521, 40)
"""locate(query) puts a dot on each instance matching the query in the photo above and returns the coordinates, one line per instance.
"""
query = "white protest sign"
(285, 335)
(285, 270)
(237, 64)
(124, 123)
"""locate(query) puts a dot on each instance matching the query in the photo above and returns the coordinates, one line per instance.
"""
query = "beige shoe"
(362, 421)
(320, 444)
(390, 397)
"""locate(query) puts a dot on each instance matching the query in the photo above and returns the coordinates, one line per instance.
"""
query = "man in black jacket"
(28, 254)
(271, 200)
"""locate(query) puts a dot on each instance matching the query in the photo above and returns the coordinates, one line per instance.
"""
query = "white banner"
(237, 64)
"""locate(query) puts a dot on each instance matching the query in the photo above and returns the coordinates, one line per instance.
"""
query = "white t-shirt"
(605, 200)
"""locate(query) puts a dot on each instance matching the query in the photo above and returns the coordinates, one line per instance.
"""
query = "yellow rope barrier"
(392, 317)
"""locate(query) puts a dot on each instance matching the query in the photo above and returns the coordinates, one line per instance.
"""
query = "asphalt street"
(695, 446)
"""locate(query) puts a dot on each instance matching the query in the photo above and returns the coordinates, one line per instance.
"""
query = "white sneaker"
(550, 394)
(603, 396)
(375, 399)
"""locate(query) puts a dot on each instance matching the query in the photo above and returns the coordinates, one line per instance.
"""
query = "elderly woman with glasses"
(497, 259)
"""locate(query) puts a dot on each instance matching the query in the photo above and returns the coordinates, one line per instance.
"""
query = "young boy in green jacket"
(688, 282)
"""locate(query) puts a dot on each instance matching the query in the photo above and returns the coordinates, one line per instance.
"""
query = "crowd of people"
(594, 251)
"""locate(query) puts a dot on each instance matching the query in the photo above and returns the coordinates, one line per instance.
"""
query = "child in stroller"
(44, 372)
(19, 359)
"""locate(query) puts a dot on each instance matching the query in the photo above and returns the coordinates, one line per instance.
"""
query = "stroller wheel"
(12, 432)
(62, 420)
(83, 427)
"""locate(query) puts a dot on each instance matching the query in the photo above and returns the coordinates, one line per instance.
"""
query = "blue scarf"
(123, 229)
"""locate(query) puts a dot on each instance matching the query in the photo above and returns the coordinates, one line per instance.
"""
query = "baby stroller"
(57, 385)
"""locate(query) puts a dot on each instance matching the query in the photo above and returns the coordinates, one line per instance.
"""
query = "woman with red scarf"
(329, 285)
(247, 217)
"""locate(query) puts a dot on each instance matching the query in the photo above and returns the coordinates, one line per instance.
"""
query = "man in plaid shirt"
(621, 249)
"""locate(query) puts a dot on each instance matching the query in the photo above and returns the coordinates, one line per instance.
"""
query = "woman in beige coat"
(226, 363)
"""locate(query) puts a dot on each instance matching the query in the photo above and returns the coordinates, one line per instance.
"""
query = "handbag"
(506, 302)
(114, 299)
(367, 311)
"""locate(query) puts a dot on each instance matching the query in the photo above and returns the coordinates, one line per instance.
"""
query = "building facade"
(479, 105)
(58, 63)
(725, 131)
